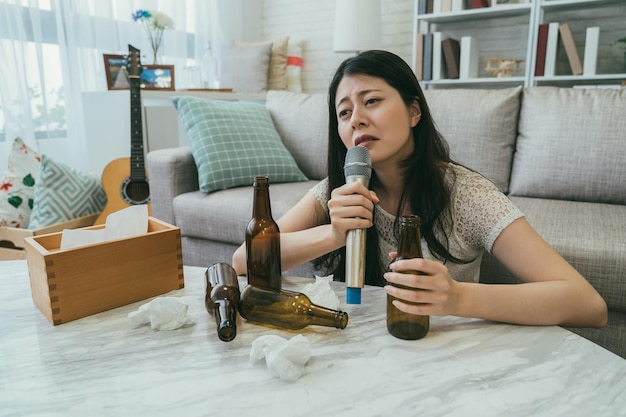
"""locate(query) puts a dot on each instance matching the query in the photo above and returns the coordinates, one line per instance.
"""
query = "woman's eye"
(343, 113)
(371, 101)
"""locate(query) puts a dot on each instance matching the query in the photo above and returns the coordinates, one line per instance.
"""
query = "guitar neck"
(137, 165)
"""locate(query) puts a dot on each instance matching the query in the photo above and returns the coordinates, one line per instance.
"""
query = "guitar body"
(121, 190)
(124, 179)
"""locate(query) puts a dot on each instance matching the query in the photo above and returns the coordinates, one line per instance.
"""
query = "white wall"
(313, 21)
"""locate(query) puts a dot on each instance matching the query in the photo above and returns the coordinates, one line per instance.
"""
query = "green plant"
(621, 42)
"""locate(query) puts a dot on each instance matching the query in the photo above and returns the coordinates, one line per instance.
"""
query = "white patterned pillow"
(63, 193)
(17, 189)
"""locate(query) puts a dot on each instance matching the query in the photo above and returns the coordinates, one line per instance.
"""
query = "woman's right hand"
(351, 206)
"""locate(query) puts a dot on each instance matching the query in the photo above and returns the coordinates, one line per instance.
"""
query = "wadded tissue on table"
(284, 358)
(163, 313)
(125, 223)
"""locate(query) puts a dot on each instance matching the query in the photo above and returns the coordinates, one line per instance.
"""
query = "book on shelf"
(468, 63)
(446, 6)
(458, 5)
(428, 57)
(570, 48)
(476, 4)
(437, 5)
(437, 59)
(429, 6)
(421, 6)
(452, 55)
(552, 45)
(419, 56)
(590, 58)
(542, 42)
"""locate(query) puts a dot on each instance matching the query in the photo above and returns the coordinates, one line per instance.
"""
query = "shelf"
(477, 14)
(482, 80)
(531, 14)
(599, 77)
(552, 5)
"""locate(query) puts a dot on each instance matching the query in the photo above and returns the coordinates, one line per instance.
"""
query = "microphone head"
(358, 162)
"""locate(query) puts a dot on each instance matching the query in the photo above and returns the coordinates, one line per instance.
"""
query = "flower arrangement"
(155, 23)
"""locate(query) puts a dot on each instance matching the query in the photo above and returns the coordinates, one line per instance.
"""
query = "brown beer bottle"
(400, 324)
(263, 265)
(222, 298)
(289, 309)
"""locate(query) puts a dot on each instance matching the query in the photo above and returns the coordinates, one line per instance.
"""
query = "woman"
(376, 101)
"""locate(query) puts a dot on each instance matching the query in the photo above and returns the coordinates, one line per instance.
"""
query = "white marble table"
(102, 366)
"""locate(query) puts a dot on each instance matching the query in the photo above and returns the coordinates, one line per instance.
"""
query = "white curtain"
(51, 52)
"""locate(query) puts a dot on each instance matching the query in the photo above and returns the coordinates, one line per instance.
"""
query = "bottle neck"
(261, 207)
(410, 242)
(225, 314)
(323, 316)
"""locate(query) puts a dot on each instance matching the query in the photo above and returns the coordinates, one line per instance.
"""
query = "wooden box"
(12, 239)
(74, 283)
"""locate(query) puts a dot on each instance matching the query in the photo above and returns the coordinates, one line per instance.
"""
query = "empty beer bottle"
(400, 324)
(222, 298)
(289, 309)
(263, 265)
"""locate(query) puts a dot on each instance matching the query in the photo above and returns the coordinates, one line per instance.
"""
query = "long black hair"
(424, 169)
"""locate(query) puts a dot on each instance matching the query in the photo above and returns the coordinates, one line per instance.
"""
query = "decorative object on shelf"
(505, 66)
(158, 77)
(621, 42)
(155, 23)
(116, 72)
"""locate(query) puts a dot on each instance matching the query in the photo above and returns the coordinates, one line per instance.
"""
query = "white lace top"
(480, 211)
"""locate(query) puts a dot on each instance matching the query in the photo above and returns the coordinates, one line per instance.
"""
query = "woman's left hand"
(432, 293)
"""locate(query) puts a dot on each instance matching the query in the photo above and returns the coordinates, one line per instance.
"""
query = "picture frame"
(158, 77)
(153, 77)
(116, 71)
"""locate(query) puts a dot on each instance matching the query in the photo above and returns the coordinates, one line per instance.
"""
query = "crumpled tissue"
(284, 358)
(321, 293)
(163, 313)
(125, 223)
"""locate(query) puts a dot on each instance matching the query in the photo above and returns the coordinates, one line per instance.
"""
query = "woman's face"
(371, 113)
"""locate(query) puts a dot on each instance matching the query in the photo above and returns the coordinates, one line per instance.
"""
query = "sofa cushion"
(17, 188)
(197, 213)
(571, 145)
(302, 122)
(63, 193)
(277, 77)
(232, 142)
(480, 127)
(565, 225)
(245, 69)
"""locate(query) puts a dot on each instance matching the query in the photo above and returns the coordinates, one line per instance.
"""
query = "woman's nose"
(358, 117)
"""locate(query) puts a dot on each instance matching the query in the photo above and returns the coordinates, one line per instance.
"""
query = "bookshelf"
(511, 31)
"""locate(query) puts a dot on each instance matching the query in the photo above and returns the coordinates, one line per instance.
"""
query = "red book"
(542, 42)
(480, 3)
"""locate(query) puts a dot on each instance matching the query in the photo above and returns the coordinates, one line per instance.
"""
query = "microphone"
(357, 168)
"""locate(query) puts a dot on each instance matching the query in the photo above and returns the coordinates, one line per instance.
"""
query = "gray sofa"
(559, 153)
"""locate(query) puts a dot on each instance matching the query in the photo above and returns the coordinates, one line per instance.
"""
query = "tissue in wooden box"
(74, 283)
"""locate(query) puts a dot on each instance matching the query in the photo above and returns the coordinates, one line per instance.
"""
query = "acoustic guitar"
(124, 180)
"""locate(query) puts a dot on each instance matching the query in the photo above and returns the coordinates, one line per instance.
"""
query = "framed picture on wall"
(157, 77)
(116, 72)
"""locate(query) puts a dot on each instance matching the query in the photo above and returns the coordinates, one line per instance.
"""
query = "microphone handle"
(355, 248)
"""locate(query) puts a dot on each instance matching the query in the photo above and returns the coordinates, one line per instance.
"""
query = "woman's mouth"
(364, 140)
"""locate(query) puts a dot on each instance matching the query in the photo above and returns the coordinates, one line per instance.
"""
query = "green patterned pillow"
(63, 193)
(17, 189)
(232, 142)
